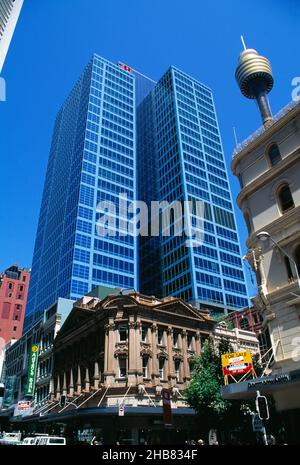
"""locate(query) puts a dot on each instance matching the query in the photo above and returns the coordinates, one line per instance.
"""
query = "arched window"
(285, 198)
(297, 258)
(274, 154)
(288, 267)
(247, 221)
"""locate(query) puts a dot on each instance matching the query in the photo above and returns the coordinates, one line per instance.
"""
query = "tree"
(203, 392)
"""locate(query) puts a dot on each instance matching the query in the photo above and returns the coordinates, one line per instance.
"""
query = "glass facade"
(180, 150)
(92, 160)
(120, 132)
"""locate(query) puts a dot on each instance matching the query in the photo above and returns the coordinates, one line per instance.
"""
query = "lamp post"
(264, 236)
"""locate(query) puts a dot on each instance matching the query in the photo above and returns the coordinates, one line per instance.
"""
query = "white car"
(49, 441)
(28, 441)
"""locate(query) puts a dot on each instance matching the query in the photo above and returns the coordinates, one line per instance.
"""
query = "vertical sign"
(32, 366)
(167, 410)
(121, 410)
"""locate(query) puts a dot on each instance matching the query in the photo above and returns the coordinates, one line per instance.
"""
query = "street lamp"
(264, 236)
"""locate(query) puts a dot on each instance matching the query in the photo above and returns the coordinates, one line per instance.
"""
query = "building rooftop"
(262, 130)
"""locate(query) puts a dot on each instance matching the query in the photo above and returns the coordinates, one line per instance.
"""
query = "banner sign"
(237, 363)
(121, 410)
(167, 410)
(32, 366)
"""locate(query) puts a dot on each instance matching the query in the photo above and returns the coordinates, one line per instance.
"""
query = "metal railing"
(281, 113)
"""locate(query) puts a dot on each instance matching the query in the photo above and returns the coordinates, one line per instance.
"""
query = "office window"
(14, 328)
(160, 336)
(144, 333)
(177, 370)
(145, 366)
(190, 342)
(274, 154)
(122, 367)
(244, 324)
(285, 198)
(162, 368)
(123, 333)
(175, 339)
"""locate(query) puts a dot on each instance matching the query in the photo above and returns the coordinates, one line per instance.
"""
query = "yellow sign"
(34, 348)
(237, 363)
(236, 357)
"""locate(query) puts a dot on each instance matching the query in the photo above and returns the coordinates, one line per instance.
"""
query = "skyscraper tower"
(181, 159)
(254, 77)
(92, 159)
(9, 14)
(120, 132)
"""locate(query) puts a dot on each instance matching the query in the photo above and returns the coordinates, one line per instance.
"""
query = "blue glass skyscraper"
(180, 157)
(119, 132)
(92, 159)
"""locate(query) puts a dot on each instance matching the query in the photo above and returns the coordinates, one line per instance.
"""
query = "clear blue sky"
(53, 41)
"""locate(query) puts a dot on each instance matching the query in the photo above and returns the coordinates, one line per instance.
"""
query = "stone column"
(198, 342)
(51, 389)
(71, 385)
(78, 383)
(139, 362)
(154, 361)
(170, 373)
(58, 388)
(87, 380)
(133, 352)
(64, 387)
(96, 376)
(186, 371)
(110, 373)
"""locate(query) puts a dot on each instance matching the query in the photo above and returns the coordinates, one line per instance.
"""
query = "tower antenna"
(243, 42)
(235, 138)
(254, 77)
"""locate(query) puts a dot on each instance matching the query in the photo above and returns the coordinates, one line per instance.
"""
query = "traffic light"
(62, 401)
(262, 407)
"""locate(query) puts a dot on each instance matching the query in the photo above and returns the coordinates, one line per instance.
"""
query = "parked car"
(11, 439)
(28, 441)
(49, 441)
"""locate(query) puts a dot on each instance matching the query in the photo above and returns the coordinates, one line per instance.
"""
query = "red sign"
(167, 410)
(237, 369)
(23, 405)
(125, 67)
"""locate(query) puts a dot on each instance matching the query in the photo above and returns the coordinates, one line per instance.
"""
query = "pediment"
(179, 307)
(76, 318)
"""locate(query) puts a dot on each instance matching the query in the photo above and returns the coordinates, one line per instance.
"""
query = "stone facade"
(268, 166)
(127, 348)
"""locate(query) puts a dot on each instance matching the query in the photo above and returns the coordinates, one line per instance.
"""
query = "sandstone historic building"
(124, 350)
(128, 341)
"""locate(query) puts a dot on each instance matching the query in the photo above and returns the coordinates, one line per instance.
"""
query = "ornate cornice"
(163, 354)
(146, 351)
(110, 327)
(268, 176)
